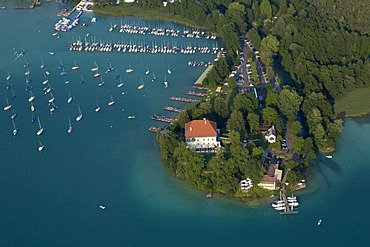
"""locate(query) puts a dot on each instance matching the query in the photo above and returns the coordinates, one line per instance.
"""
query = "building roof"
(200, 128)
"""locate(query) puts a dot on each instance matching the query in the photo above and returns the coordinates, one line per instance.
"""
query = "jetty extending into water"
(197, 94)
(162, 118)
(34, 4)
(173, 109)
(183, 99)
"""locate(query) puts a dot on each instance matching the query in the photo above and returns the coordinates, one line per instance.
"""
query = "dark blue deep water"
(52, 198)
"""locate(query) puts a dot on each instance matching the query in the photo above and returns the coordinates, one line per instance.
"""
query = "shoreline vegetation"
(304, 110)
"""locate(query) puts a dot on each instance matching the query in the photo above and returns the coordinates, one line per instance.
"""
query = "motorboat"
(51, 53)
(131, 117)
(329, 156)
(147, 71)
(294, 204)
(319, 222)
(165, 82)
(102, 207)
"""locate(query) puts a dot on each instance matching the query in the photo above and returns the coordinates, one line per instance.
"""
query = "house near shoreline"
(272, 176)
(203, 136)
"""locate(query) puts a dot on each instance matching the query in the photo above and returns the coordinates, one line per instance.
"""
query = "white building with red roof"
(202, 135)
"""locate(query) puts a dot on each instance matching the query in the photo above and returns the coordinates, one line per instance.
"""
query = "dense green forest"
(323, 45)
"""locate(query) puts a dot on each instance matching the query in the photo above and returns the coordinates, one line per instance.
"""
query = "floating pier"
(173, 109)
(186, 100)
(199, 94)
(162, 118)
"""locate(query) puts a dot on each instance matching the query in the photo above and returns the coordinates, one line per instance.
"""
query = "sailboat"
(120, 83)
(32, 107)
(95, 68)
(79, 117)
(69, 131)
(147, 71)
(13, 95)
(41, 130)
(165, 82)
(61, 65)
(47, 72)
(63, 73)
(101, 83)
(26, 64)
(46, 80)
(129, 69)
(168, 70)
(116, 76)
(13, 116)
(15, 129)
(51, 100)
(8, 106)
(110, 68)
(75, 67)
(69, 100)
(52, 108)
(28, 72)
(42, 64)
(82, 81)
(33, 118)
(40, 147)
(9, 76)
(96, 75)
(142, 85)
(111, 102)
(28, 87)
(32, 96)
(153, 77)
(97, 109)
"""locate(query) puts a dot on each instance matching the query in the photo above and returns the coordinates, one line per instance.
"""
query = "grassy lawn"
(355, 103)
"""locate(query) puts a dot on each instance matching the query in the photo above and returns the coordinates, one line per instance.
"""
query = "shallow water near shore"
(52, 198)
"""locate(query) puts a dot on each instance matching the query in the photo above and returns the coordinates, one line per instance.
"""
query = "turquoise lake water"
(52, 198)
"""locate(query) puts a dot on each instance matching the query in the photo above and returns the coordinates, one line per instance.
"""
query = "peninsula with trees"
(290, 73)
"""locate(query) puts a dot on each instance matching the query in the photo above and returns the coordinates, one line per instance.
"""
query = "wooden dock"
(34, 4)
(199, 94)
(162, 118)
(173, 109)
(186, 100)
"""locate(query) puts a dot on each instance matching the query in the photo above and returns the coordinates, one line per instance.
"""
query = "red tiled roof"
(200, 128)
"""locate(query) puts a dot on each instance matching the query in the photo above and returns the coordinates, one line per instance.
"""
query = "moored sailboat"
(69, 100)
(15, 129)
(95, 68)
(42, 64)
(111, 102)
(40, 147)
(32, 96)
(8, 106)
(70, 129)
(75, 67)
(142, 85)
(97, 108)
(165, 82)
(129, 69)
(79, 117)
(120, 83)
(41, 129)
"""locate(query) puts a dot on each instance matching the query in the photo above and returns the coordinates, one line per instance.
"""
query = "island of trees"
(324, 51)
